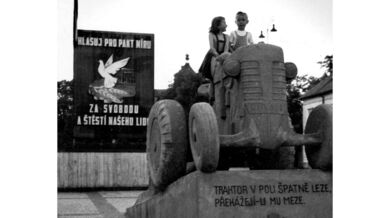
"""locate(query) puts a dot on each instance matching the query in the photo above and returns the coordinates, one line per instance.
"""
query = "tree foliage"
(295, 90)
(64, 98)
(327, 63)
(64, 111)
(184, 88)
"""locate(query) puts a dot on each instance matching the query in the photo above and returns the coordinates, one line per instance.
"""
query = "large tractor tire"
(320, 121)
(166, 143)
(204, 137)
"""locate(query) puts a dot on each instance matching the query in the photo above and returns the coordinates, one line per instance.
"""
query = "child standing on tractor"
(240, 37)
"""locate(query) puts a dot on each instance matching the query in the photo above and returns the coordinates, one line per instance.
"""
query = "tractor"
(247, 114)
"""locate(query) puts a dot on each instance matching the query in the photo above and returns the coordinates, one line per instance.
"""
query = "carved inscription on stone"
(262, 195)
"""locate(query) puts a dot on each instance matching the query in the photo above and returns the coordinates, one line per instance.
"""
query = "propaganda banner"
(114, 85)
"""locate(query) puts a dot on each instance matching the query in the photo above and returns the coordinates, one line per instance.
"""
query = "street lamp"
(272, 30)
(261, 35)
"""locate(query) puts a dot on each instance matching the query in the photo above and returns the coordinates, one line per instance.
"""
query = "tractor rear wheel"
(320, 121)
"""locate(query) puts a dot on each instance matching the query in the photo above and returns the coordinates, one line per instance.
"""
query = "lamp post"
(272, 30)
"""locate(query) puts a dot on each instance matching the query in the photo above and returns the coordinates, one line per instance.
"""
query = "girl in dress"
(219, 44)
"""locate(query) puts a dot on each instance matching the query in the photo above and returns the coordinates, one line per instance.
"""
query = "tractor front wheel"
(204, 137)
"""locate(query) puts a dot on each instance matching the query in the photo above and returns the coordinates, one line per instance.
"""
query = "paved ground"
(101, 204)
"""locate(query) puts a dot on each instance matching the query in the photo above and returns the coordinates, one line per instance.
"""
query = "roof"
(322, 88)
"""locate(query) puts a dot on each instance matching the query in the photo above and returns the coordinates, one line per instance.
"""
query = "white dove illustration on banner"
(108, 88)
(105, 70)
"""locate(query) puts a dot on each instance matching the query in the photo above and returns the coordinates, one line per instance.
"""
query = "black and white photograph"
(155, 109)
(168, 109)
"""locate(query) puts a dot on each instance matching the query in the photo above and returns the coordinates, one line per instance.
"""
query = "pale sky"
(304, 29)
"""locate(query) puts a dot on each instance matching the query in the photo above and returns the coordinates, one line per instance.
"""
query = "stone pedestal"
(265, 193)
